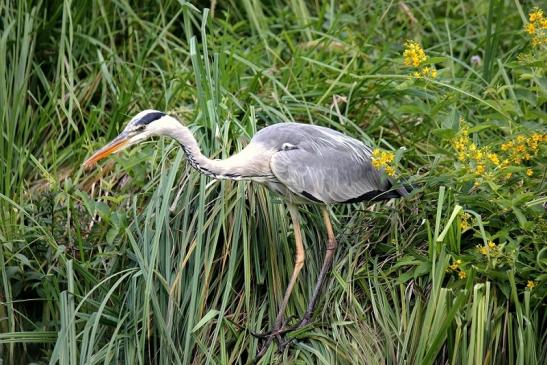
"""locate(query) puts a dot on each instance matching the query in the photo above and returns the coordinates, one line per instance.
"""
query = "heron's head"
(146, 124)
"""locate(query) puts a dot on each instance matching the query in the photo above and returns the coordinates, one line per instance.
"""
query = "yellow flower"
(535, 15)
(413, 54)
(536, 27)
(382, 159)
(494, 158)
(533, 141)
(462, 275)
(455, 265)
(531, 284)
(489, 249)
(538, 41)
(487, 162)
(520, 149)
(536, 137)
(430, 72)
(464, 222)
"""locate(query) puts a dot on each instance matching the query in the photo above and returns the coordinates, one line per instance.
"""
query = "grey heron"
(305, 164)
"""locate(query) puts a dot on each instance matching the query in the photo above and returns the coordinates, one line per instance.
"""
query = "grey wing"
(330, 168)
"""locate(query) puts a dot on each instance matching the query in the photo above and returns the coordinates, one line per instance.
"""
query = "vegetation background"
(143, 261)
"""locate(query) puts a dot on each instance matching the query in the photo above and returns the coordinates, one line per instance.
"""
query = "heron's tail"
(394, 191)
(400, 189)
(405, 189)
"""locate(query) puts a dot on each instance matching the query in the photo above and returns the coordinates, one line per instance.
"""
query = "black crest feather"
(149, 118)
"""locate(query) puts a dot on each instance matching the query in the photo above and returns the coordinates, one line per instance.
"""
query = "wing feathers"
(329, 170)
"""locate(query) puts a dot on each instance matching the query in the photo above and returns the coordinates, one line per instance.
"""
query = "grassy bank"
(144, 261)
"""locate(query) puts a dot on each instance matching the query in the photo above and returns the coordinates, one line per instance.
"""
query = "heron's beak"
(116, 145)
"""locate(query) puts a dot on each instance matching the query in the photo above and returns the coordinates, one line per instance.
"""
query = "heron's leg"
(298, 264)
(327, 261)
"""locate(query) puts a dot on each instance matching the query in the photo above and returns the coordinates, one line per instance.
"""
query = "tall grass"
(144, 261)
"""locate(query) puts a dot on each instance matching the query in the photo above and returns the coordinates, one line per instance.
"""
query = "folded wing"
(328, 167)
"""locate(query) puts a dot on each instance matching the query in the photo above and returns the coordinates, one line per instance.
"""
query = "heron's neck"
(233, 168)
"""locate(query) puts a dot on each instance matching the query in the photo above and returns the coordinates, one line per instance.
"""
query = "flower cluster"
(531, 284)
(523, 148)
(383, 159)
(484, 162)
(490, 249)
(479, 159)
(414, 56)
(456, 267)
(464, 221)
(427, 71)
(537, 27)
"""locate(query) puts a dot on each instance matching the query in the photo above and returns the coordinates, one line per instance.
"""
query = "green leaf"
(445, 133)
(206, 318)
(111, 235)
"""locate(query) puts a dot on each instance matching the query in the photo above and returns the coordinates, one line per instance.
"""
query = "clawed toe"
(277, 334)
(281, 330)
(269, 337)
(274, 333)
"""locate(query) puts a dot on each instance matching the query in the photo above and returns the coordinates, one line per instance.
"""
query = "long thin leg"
(298, 264)
(327, 261)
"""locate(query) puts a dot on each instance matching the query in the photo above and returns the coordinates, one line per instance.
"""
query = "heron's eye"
(141, 128)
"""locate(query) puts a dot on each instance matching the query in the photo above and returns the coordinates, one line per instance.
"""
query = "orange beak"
(117, 144)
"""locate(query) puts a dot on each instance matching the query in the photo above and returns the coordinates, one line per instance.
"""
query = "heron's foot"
(279, 329)
(301, 324)
(270, 334)
(277, 335)
(282, 329)
(266, 345)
